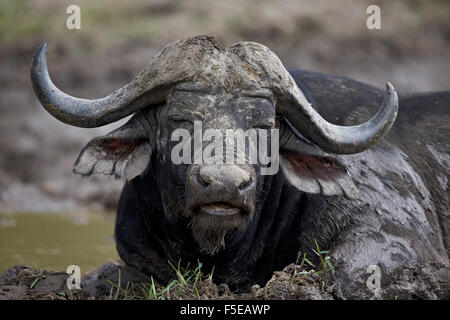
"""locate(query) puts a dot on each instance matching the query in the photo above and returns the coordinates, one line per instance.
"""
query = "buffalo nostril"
(200, 181)
(246, 184)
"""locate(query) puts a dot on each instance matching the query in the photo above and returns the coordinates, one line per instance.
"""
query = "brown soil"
(24, 283)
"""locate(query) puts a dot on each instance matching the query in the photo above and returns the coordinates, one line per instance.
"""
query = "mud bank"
(114, 281)
(118, 282)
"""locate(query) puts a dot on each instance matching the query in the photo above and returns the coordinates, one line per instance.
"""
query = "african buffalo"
(374, 199)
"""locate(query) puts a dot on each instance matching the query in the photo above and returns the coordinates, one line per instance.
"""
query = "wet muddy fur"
(288, 221)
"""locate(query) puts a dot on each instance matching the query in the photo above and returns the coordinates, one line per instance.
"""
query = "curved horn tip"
(390, 88)
(39, 58)
(41, 50)
(392, 94)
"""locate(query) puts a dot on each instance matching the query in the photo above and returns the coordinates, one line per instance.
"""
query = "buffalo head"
(196, 80)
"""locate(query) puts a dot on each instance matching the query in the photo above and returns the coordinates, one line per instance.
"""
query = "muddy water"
(54, 241)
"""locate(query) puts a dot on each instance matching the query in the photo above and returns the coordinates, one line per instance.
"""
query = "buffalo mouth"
(221, 209)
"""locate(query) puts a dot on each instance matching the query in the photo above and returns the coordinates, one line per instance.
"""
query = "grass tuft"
(324, 258)
(185, 283)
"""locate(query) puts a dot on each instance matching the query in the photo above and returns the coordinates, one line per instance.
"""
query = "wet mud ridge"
(112, 281)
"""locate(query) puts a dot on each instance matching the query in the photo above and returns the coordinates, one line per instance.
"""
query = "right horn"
(340, 139)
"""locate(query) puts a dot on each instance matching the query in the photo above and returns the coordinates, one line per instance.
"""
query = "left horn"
(340, 139)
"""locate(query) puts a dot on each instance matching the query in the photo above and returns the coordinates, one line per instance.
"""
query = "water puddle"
(54, 241)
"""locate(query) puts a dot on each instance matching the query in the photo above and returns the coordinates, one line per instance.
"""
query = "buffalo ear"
(126, 147)
(317, 174)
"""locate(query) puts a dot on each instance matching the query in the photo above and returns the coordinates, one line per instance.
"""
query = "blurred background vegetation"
(327, 35)
(118, 38)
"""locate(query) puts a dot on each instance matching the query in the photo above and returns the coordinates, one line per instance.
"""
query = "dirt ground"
(24, 283)
(115, 281)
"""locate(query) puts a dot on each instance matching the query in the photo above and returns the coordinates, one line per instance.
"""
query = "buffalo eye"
(263, 125)
(180, 121)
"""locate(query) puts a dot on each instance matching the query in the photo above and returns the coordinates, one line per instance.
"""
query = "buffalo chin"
(211, 223)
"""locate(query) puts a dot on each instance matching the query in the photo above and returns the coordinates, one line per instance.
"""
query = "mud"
(114, 281)
(25, 283)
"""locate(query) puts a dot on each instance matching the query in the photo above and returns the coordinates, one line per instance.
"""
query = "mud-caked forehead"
(262, 66)
(245, 65)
